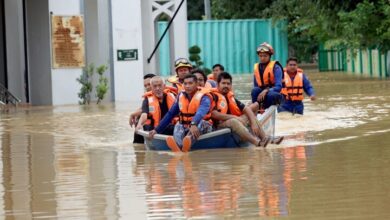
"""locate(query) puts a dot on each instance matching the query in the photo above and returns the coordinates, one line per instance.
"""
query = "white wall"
(64, 84)
(127, 34)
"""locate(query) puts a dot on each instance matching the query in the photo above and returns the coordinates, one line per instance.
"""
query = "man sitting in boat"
(134, 116)
(229, 112)
(217, 69)
(202, 80)
(295, 84)
(193, 106)
(267, 79)
(182, 68)
(155, 106)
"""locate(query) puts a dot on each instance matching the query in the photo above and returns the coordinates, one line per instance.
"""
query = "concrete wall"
(127, 34)
(38, 40)
(15, 47)
(64, 84)
(97, 28)
(2, 46)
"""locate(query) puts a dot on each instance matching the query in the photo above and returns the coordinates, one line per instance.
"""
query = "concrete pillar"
(38, 41)
(64, 84)
(98, 38)
(15, 47)
(180, 31)
(151, 10)
(127, 34)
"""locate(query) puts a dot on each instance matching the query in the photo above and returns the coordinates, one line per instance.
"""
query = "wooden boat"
(223, 138)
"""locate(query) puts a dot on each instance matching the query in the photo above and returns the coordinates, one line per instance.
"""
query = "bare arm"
(221, 117)
(133, 117)
(142, 121)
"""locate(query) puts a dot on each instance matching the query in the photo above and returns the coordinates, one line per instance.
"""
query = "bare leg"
(238, 128)
(246, 120)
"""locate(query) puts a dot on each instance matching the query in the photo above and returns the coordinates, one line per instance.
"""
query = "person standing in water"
(296, 83)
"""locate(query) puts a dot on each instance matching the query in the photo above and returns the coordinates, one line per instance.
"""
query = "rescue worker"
(193, 106)
(202, 80)
(155, 105)
(182, 68)
(267, 78)
(134, 116)
(229, 112)
(217, 69)
(296, 83)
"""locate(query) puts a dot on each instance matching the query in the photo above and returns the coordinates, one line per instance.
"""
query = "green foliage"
(195, 9)
(194, 55)
(86, 84)
(207, 71)
(194, 50)
(338, 24)
(102, 86)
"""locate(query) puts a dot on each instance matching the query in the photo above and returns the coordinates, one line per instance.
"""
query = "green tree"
(86, 84)
(102, 86)
(352, 24)
(195, 9)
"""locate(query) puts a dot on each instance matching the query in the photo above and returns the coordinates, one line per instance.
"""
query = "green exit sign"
(126, 55)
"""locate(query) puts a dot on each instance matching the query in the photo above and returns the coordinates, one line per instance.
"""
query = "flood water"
(73, 162)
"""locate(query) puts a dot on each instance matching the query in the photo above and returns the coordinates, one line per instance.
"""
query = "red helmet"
(265, 48)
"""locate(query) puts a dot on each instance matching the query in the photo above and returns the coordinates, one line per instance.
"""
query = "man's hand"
(313, 98)
(152, 133)
(195, 131)
(132, 120)
(139, 127)
(255, 129)
(261, 96)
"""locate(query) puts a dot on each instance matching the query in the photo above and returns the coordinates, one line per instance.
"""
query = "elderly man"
(155, 106)
(134, 116)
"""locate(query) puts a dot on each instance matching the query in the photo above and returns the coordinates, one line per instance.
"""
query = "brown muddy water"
(72, 162)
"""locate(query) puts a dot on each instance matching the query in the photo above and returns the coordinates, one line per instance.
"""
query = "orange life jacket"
(175, 82)
(189, 108)
(268, 77)
(172, 89)
(226, 103)
(154, 106)
(293, 89)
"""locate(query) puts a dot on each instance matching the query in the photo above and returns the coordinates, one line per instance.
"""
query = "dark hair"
(149, 75)
(292, 59)
(220, 66)
(224, 75)
(188, 76)
(200, 71)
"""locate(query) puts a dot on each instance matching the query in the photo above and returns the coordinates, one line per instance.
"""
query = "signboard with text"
(67, 41)
(126, 55)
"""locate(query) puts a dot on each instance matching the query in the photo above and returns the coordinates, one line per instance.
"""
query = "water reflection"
(77, 162)
(201, 185)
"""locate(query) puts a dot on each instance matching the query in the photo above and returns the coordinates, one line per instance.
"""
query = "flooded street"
(77, 162)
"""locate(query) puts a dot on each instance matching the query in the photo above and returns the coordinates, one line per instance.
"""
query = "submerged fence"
(365, 62)
(231, 43)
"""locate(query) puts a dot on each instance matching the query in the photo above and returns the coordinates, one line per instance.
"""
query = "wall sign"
(126, 55)
(67, 41)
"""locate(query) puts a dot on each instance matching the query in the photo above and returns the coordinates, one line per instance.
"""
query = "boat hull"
(223, 138)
